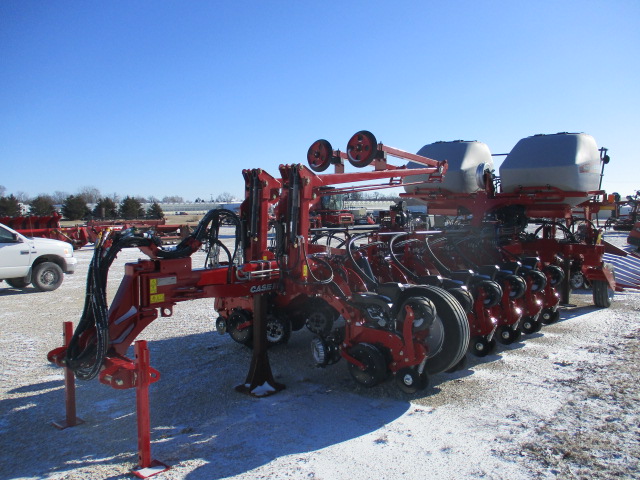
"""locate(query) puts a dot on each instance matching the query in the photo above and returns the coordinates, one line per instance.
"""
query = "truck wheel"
(46, 276)
(17, 282)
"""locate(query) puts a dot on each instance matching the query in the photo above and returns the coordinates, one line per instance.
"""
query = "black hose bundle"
(87, 359)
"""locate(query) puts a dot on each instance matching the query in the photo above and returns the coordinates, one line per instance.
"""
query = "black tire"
(375, 370)
(410, 381)
(556, 274)
(455, 325)
(362, 149)
(602, 294)
(481, 346)
(530, 325)
(539, 280)
(548, 316)
(320, 317)
(46, 276)
(458, 366)
(278, 330)
(244, 336)
(492, 290)
(517, 284)
(424, 312)
(20, 282)
(464, 297)
(507, 335)
(319, 155)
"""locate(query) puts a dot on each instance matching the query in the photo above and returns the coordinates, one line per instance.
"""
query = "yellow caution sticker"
(158, 298)
(305, 271)
(153, 285)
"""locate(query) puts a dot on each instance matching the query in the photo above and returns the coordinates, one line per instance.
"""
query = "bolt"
(119, 382)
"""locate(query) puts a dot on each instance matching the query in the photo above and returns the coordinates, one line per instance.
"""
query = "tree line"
(75, 207)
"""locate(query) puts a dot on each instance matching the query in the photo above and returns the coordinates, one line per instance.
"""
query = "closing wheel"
(362, 149)
(530, 325)
(492, 291)
(555, 273)
(507, 335)
(240, 328)
(547, 315)
(464, 297)
(424, 313)
(278, 330)
(481, 346)
(319, 155)
(538, 280)
(450, 321)
(517, 286)
(410, 381)
(46, 276)
(375, 366)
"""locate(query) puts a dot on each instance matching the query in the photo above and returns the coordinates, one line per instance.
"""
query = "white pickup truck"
(40, 261)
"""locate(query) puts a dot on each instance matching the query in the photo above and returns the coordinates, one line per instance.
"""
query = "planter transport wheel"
(319, 155)
(362, 149)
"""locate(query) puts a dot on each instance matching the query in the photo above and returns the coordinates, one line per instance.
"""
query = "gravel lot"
(562, 403)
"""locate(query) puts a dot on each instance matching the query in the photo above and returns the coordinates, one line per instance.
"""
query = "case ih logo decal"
(267, 287)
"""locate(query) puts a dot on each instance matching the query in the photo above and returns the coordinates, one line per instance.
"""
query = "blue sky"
(176, 98)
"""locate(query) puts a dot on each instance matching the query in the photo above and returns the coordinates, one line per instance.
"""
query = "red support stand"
(71, 420)
(143, 373)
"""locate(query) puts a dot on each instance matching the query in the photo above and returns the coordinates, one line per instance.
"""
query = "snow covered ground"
(562, 403)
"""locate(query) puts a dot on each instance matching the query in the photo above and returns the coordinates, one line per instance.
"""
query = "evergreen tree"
(155, 211)
(41, 205)
(75, 208)
(106, 208)
(9, 206)
(131, 208)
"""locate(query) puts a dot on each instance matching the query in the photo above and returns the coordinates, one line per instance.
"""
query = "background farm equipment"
(49, 227)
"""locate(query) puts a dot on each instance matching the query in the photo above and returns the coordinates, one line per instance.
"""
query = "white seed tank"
(567, 161)
(466, 161)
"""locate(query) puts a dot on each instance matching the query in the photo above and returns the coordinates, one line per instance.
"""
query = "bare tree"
(59, 197)
(22, 197)
(152, 199)
(2, 190)
(224, 197)
(89, 194)
(173, 199)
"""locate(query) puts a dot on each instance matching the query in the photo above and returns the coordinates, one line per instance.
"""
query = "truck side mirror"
(16, 238)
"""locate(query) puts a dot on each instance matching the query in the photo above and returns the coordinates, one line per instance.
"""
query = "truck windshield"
(332, 202)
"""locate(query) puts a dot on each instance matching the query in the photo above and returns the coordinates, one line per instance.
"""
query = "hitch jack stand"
(147, 466)
(71, 420)
(260, 381)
